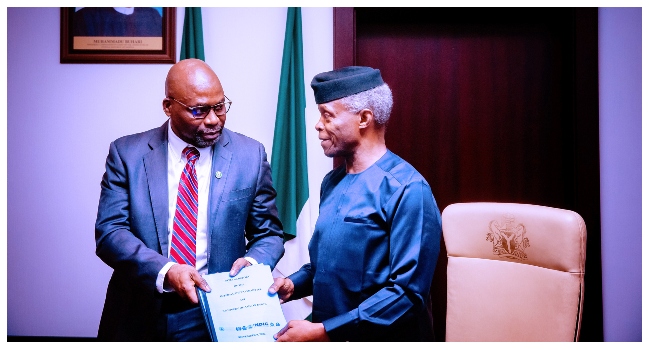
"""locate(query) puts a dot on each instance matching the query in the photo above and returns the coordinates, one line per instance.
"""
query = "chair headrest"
(522, 233)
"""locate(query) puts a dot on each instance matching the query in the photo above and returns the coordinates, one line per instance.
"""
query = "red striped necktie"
(183, 249)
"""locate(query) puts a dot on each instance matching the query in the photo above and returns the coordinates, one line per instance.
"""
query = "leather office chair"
(515, 272)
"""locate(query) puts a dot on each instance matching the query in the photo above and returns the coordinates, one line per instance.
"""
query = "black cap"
(342, 82)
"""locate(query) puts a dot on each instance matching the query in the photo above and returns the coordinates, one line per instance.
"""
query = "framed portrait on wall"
(118, 34)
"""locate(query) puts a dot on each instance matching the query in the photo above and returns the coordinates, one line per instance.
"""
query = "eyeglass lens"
(203, 111)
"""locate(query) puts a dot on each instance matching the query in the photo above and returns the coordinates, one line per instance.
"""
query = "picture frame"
(152, 40)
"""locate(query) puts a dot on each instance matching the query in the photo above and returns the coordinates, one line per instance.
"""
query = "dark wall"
(491, 104)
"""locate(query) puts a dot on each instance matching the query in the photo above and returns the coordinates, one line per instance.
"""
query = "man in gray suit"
(158, 239)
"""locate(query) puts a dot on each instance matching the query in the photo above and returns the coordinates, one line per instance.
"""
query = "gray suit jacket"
(132, 219)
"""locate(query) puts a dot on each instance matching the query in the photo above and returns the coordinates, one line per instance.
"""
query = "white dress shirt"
(175, 164)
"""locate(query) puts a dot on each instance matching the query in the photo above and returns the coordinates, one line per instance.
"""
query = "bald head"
(191, 83)
(190, 76)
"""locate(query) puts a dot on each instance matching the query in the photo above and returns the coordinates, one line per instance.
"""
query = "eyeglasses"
(200, 112)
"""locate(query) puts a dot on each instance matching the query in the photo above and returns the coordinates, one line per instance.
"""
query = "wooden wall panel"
(490, 105)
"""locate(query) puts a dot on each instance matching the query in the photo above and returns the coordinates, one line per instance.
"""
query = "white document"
(240, 307)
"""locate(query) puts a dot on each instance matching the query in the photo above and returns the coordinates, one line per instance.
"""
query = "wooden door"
(491, 104)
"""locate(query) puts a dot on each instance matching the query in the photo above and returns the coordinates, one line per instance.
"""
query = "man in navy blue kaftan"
(377, 239)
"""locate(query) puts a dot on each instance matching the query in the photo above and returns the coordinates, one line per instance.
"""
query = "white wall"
(62, 117)
(620, 99)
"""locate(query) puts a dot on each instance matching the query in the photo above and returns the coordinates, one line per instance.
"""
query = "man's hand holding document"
(240, 308)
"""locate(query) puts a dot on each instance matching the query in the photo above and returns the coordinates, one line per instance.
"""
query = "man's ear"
(166, 104)
(366, 117)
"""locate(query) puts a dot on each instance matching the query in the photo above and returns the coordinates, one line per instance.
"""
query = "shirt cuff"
(251, 260)
(160, 280)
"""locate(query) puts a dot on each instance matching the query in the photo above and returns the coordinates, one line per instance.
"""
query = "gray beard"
(201, 143)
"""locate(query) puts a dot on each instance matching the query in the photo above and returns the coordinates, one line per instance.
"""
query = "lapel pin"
(218, 174)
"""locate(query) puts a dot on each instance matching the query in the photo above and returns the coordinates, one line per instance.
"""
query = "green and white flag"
(192, 40)
(289, 162)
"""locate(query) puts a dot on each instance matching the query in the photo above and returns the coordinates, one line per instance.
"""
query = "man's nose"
(211, 118)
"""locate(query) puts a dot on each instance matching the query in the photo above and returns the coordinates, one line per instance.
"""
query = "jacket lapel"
(221, 158)
(155, 164)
